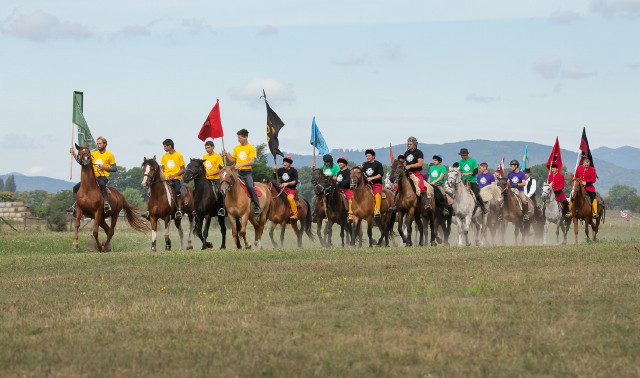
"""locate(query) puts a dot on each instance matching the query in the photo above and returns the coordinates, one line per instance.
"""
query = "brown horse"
(332, 205)
(162, 204)
(362, 206)
(238, 204)
(280, 214)
(90, 204)
(511, 211)
(582, 210)
(408, 205)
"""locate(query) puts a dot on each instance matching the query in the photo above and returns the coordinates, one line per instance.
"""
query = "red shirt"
(557, 185)
(588, 176)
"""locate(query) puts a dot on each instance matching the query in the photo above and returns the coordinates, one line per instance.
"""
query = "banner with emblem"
(84, 134)
(274, 124)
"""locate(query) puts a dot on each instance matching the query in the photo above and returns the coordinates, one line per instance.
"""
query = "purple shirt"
(485, 179)
(515, 179)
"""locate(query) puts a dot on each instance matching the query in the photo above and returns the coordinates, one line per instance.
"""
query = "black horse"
(208, 202)
(330, 203)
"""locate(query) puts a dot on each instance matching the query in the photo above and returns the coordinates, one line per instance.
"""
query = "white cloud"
(391, 51)
(634, 66)
(197, 25)
(40, 26)
(133, 31)
(610, 8)
(36, 170)
(251, 92)
(482, 99)
(564, 17)
(576, 73)
(548, 68)
(20, 142)
(268, 31)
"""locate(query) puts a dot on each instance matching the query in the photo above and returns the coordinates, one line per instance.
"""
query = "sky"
(372, 73)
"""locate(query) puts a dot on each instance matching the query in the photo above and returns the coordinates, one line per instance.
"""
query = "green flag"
(84, 134)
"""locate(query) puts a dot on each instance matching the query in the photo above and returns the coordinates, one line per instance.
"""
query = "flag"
(555, 157)
(584, 152)
(317, 140)
(525, 158)
(391, 156)
(274, 124)
(624, 215)
(500, 168)
(84, 134)
(212, 127)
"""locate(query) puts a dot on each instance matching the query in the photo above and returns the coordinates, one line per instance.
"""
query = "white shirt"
(531, 191)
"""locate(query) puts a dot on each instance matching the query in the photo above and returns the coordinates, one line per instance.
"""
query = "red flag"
(500, 168)
(391, 156)
(584, 152)
(212, 127)
(555, 156)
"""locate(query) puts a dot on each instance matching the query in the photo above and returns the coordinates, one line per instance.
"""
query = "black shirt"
(411, 157)
(287, 175)
(343, 178)
(372, 169)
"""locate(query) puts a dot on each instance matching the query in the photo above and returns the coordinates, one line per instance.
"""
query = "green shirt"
(435, 172)
(467, 166)
(330, 171)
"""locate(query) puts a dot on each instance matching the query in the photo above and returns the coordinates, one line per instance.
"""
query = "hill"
(24, 183)
(621, 156)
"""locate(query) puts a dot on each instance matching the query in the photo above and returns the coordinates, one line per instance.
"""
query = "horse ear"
(154, 157)
(192, 159)
(77, 147)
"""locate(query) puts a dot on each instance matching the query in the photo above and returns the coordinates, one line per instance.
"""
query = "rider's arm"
(248, 163)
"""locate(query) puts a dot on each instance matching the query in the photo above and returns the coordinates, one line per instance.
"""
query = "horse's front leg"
(154, 232)
(461, 231)
(190, 236)
(283, 228)
(223, 231)
(234, 231)
(96, 224)
(243, 230)
(370, 232)
(109, 231)
(76, 227)
(205, 232)
(167, 238)
(272, 228)
(467, 223)
(575, 229)
(197, 228)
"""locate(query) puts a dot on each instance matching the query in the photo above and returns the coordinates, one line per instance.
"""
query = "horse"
(512, 211)
(162, 204)
(332, 205)
(492, 196)
(553, 214)
(208, 202)
(90, 204)
(464, 206)
(408, 205)
(582, 210)
(362, 205)
(237, 201)
(280, 214)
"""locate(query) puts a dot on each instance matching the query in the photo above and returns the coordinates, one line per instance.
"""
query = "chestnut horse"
(330, 204)
(162, 204)
(90, 204)
(238, 204)
(582, 210)
(208, 202)
(362, 206)
(280, 214)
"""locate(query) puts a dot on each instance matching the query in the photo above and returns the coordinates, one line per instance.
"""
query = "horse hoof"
(209, 245)
(167, 248)
(190, 247)
(434, 244)
(74, 246)
(153, 249)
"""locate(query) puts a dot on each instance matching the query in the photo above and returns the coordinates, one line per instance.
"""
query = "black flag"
(274, 124)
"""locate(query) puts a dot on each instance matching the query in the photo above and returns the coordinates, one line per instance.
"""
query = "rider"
(516, 179)
(104, 163)
(173, 167)
(288, 178)
(530, 186)
(213, 164)
(244, 156)
(437, 171)
(413, 164)
(588, 175)
(374, 172)
(328, 169)
(344, 183)
(556, 179)
(484, 177)
(469, 168)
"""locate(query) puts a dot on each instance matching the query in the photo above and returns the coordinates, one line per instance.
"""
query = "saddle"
(246, 191)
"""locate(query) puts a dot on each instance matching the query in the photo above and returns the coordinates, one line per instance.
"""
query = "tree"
(260, 170)
(37, 201)
(134, 197)
(1, 185)
(10, 184)
(124, 179)
(622, 196)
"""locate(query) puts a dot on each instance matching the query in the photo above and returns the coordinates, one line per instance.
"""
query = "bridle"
(199, 174)
(229, 183)
(84, 157)
(453, 179)
(151, 175)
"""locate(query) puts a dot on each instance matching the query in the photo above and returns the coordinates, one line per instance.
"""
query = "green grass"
(480, 311)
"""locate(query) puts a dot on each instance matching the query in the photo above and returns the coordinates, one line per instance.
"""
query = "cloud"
(548, 68)
(611, 8)
(20, 142)
(35, 170)
(576, 73)
(353, 61)
(634, 66)
(482, 99)
(251, 92)
(133, 31)
(564, 17)
(40, 26)
(197, 25)
(268, 31)
(391, 51)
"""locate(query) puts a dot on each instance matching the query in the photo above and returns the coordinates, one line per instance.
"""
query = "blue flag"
(317, 140)
(525, 158)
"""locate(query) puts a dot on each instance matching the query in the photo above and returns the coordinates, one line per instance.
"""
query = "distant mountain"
(24, 183)
(609, 172)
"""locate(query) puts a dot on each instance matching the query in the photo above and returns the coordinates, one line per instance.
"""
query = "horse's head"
(316, 175)
(324, 185)
(84, 155)
(546, 192)
(228, 177)
(576, 186)
(150, 172)
(502, 183)
(357, 177)
(453, 179)
(397, 170)
(194, 170)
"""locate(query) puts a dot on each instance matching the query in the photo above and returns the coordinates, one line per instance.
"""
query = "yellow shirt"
(107, 159)
(212, 163)
(172, 164)
(243, 154)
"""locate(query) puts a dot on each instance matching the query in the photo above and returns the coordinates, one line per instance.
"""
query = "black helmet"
(514, 162)
(327, 158)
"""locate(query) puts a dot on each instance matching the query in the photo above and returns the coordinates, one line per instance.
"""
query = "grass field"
(479, 311)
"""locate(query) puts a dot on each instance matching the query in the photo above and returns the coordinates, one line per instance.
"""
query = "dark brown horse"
(408, 205)
(238, 205)
(511, 211)
(332, 205)
(582, 210)
(280, 214)
(90, 205)
(362, 206)
(162, 204)
(208, 202)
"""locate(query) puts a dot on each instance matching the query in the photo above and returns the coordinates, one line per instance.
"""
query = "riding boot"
(179, 212)
(425, 201)
(376, 209)
(294, 207)
(565, 207)
(569, 213)
(350, 212)
(313, 209)
(594, 207)
(482, 207)
(525, 211)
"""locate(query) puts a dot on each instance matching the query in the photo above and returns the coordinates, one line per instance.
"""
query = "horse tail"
(308, 221)
(135, 220)
(604, 213)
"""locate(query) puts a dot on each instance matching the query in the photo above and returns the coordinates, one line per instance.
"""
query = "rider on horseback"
(413, 164)
(469, 168)
(517, 180)
(172, 164)
(244, 156)
(484, 177)
(374, 172)
(437, 173)
(588, 175)
(104, 163)
(556, 179)
(343, 178)
(288, 178)
(213, 164)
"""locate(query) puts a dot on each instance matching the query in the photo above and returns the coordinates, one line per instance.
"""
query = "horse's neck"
(202, 185)
(88, 177)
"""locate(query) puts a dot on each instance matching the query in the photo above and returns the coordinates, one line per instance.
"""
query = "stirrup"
(445, 212)
(526, 216)
(145, 215)
(568, 215)
(294, 217)
(257, 210)
(107, 207)
(376, 214)
(222, 212)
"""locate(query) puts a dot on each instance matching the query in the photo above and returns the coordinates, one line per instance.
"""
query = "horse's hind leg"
(96, 224)
(167, 239)
(109, 231)
(205, 233)
(223, 232)
(271, 230)
(190, 237)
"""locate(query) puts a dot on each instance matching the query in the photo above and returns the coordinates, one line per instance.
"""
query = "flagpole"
(71, 156)
(314, 157)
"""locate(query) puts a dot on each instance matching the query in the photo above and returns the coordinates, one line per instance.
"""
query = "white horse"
(463, 207)
(553, 214)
